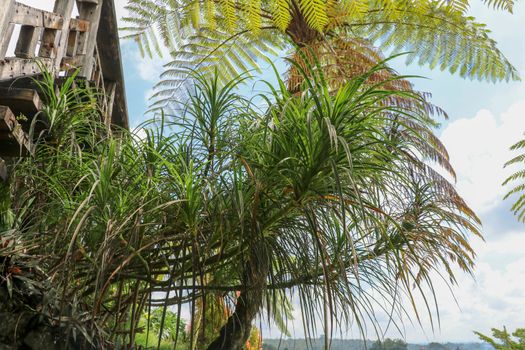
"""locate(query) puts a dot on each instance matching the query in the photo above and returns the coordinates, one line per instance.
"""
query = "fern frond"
(281, 14)
(436, 39)
(436, 33)
(210, 14)
(314, 12)
(354, 8)
(210, 49)
(518, 208)
(507, 5)
(228, 9)
(196, 14)
(253, 10)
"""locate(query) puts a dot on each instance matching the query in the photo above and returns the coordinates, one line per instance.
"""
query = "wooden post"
(90, 11)
(49, 41)
(72, 43)
(111, 87)
(54, 42)
(6, 12)
(26, 45)
(5, 38)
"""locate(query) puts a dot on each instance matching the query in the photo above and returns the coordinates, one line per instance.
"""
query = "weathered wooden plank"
(72, 43)
(27, 15)
(91, 12)
(21, 101)
(7, 119)
(59, 44)
(79, 25)
(16, 67)
(48, 47)
(82, 42)
(96, 76)
(6, 12)
(5, 38)
(27, 34)
(69, 63)
(110, 88)
(14, 130)
(52, 20)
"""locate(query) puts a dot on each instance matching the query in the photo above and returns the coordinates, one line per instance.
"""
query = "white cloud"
(147, 68)
(479, 147)
(494, 298)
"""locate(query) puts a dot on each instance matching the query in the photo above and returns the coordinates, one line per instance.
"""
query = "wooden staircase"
(62, 45)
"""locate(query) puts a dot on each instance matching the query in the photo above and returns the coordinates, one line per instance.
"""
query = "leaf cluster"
(503, 340)
(235, 34)
(327, 196)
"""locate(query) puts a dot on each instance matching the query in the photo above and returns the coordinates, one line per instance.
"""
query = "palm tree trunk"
(236, 331)
(234, 334)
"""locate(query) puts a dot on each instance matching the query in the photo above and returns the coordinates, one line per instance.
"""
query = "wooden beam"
(78, 25)
(6, 12)
(9, 124)
(111, 61)
(110, 100)
(11, 68)
(5, 38)
(69, 63)
(72, 43)
(21, 101)
(27, 15)
(7, 119)
(48, 48)
(52, 20)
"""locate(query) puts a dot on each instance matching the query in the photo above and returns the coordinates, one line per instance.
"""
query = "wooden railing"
(60, 43)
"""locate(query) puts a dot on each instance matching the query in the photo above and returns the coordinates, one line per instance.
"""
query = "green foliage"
(389, 344)
(6, 214)
(201, 35)
(164, 323)
(503, 340)
(517, 180)
(323, 195)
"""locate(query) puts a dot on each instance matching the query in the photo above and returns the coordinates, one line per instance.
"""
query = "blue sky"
(485, 119)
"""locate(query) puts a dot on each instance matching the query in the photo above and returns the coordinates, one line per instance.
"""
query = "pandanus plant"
(326, 197)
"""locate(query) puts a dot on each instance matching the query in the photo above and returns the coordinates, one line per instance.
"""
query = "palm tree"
(347, 36)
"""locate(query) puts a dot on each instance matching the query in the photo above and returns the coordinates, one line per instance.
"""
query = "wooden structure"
(62, 44)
